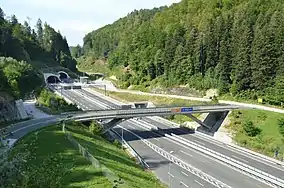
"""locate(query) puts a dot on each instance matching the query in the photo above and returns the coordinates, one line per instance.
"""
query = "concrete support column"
(112, 123)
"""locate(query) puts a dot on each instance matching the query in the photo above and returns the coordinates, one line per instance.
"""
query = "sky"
(75, 18)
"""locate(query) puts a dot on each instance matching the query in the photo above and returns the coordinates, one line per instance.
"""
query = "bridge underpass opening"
(52, 80)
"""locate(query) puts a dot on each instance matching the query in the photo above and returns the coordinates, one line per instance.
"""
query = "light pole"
(171, 152)
(122, 135)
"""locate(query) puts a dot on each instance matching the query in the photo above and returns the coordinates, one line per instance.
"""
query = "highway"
(160, 165)
(259, 163)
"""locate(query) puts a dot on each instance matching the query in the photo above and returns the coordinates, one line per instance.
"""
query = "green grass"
(114, 158)
(157, 100)
(268, 140)
(53, 161)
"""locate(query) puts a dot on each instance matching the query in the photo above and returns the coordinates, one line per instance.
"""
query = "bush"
(95, 128)
(215, 100)
(117, 143)
(281, 126)
(250, 129)
(54, 103)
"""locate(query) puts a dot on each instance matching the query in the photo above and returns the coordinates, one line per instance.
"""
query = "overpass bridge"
(118, 115)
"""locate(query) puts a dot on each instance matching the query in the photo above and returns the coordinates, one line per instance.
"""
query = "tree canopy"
(235, 46)
(20, 45)
(21, 42)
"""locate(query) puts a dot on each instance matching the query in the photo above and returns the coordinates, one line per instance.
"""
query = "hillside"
(26, 52)
(234, 46)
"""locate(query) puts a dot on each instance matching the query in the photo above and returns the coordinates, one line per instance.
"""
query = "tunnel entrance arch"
(52, 79)
(63, 75)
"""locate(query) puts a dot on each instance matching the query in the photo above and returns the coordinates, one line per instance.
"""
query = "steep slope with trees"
(21, 46)
(42, 44)
(233, 45)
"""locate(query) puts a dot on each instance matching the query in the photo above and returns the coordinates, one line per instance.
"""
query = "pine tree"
(241, 53)
(159, 63)
(264, 59)
(152, 70)
(39, 32)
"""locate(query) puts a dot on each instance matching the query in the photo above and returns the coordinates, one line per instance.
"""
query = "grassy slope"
(268, 140)
(157, 101)
(115, 159)
(54, 162)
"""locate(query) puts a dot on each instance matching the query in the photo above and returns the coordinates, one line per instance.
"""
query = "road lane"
(275, 170)
(160, 165)
(248, 181)
(200, 161)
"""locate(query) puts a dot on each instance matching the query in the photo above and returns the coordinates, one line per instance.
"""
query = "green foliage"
(53, 102)
(250, 129)
(23, 43)
(267, 140)
(16, 77)
(95, 128)
(10, 168)
(117, 143)
(51, 160)
(234, 46)
(215, 100)
(281, 126)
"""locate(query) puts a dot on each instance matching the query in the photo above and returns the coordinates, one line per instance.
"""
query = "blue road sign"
(186, 109)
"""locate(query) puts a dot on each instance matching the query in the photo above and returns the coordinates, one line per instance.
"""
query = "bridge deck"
(142, 112)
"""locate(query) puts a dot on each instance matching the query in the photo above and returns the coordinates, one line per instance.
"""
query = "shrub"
(95, 128)
(117, 143)
(250, 129)
(281, 126)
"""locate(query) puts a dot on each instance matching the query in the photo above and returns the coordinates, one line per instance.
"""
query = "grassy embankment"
(54, 162)
(269, 138)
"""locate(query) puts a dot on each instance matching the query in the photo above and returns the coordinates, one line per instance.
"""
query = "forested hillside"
(43, 43)
(236, 46)
(23, 47)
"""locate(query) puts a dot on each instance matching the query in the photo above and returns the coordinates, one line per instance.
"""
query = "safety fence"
(111, 176)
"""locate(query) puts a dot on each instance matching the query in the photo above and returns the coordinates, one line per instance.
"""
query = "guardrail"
(253, 172)
(132, 150)
(181, 163)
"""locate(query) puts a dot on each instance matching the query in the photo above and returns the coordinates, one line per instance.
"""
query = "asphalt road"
(259, 163)
(198, 160)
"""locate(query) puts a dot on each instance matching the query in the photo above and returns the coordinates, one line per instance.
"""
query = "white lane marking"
(199, 142)
(27, 127)
(199, 183)
(186, 153)
(183, 184)
(184, 173)
(171, 175)
(239, 151)
(240, 159)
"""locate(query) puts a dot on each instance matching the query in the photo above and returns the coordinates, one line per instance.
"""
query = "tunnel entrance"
(63, 76)
(52, 80)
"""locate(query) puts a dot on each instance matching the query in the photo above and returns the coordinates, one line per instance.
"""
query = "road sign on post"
(186, 109)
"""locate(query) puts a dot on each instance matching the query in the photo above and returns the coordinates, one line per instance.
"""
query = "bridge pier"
(112, 123)
(212, 122)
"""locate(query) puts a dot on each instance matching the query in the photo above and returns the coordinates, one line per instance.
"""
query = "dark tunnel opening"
(63, 76)
(53, 80)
